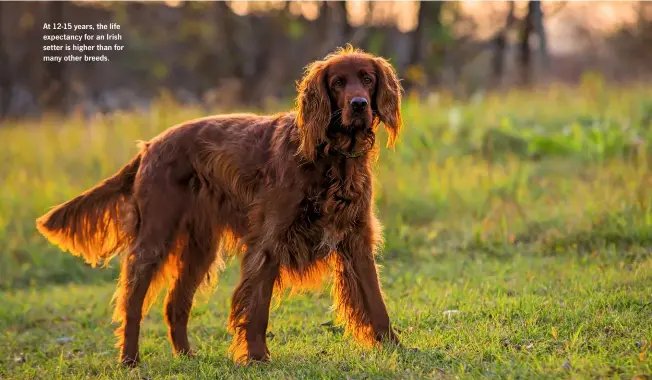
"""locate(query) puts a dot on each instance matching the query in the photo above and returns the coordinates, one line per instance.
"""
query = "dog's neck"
(348, 142)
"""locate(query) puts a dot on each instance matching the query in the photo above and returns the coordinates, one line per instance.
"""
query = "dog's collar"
(354, 154)
(346, 154)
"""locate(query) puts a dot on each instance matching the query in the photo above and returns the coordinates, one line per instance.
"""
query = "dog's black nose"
(358, 104)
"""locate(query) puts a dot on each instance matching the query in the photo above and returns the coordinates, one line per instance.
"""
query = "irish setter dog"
(290, 194)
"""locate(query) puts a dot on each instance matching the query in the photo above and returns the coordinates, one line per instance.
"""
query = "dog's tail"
(99, 223)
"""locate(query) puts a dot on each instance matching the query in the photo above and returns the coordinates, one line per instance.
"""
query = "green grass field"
(518, 245)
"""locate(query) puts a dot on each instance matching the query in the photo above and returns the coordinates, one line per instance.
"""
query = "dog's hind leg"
(195, 262)
(135, 278)
(161, 207)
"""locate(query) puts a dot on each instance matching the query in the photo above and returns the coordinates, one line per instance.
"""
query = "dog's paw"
(253, 357)
(189, 353)
(130, 362)
(389, 338)
(257, 359)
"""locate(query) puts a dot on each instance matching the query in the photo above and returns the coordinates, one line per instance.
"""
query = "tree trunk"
(239, 36)
(323, 31)
(334, 28)
(359, 36)
(537, 20)
(525, 50)
(345, 30)
(271, 65)
(424, 38)
(500, 43)
(226, 22)
(418, 38)
(533, 23)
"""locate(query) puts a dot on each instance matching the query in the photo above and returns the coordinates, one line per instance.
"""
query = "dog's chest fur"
(332, 209)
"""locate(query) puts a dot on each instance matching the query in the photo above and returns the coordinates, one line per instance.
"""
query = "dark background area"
(233, 54)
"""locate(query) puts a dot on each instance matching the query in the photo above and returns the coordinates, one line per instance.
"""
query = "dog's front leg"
(250, 307)
(357, 291)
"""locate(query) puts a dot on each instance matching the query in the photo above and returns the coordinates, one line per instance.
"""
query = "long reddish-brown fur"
(290, 193)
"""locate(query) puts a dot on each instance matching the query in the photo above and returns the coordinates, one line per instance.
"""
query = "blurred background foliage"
(250, 53)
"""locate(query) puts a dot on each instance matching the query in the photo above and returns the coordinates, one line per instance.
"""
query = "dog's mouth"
(353, 139)
(359, 122)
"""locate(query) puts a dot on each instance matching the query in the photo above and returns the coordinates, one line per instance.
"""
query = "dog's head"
(351, 91)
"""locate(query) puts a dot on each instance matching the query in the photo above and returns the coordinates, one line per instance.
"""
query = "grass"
(518, 234)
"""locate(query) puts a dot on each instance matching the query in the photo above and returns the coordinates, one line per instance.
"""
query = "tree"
(424, 38)
(533, 23)
(500, 43)
(334, 27)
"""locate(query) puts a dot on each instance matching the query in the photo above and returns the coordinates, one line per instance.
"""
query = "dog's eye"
(366, 80)
(338, 83)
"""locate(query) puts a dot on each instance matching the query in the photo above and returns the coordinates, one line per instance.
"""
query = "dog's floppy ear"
(388, 99)
(314, 109)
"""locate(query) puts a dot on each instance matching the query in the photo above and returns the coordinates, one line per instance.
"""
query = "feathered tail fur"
(100, 222)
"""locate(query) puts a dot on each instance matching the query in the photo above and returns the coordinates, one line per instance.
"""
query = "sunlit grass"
(527, 212)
